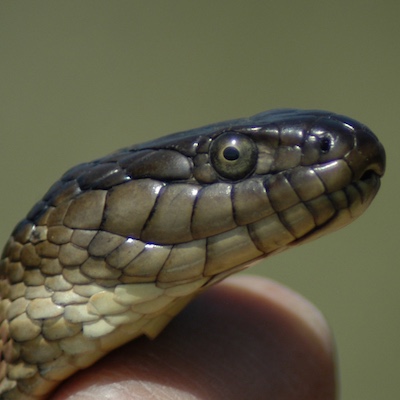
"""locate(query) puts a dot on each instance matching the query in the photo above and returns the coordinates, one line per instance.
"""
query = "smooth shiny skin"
(120, 245)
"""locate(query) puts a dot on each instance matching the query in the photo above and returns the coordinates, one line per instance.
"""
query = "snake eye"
(233, 155)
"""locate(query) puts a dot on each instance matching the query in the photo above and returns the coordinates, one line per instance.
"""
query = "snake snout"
(373, 155)
(367, 159)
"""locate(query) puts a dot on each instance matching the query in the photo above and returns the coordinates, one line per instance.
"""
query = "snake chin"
(358, 195)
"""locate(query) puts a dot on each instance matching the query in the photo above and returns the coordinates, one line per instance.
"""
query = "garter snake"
(120, 245)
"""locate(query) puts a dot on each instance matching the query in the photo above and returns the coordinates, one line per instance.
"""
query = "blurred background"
(80, 79)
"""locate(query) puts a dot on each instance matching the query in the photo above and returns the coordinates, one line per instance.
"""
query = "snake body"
(120, 245)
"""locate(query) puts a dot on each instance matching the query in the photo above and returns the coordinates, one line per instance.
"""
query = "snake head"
(301, 173)
(119, 245)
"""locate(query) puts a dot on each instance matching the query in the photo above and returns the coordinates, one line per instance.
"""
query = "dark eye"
(325, 143)
(233, 155)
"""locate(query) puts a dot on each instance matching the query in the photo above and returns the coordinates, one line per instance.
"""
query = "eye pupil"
(231, 153)
(325, 144)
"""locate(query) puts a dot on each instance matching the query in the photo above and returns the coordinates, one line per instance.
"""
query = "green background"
(79, 79)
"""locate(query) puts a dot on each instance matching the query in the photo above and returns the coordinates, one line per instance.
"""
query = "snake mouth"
(367, 180)
(349, 203)
(369, 175)
(334, 194)
(368, 162)
(367, 186)
(375, 170)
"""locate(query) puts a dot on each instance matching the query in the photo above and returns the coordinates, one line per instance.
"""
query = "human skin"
(245, 338)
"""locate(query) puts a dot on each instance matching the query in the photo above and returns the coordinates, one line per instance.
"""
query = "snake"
(118, 246)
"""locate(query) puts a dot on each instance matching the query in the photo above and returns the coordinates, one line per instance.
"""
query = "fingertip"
(247, 337)
(288, 302)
